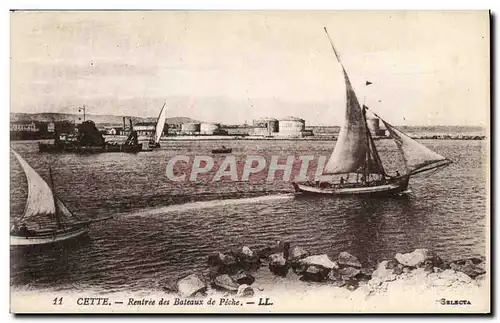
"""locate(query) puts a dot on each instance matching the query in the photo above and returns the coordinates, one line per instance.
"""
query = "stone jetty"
(234, 272)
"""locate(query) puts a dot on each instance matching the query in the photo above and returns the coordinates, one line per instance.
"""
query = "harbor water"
(164, 229)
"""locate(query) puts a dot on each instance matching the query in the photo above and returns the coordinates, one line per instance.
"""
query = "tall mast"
(58, 219)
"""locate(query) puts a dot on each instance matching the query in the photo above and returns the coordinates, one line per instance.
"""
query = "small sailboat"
(154, 142)
(356, 155)
(222, 150)
(46, 219)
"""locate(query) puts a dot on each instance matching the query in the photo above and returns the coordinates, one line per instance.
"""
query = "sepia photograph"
(190, 161)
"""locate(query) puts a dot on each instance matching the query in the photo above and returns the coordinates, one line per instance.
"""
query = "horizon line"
(311, 125)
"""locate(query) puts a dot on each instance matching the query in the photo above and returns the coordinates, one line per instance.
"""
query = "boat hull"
(153, 145)
(222, 151)
(393, 187)
(108, 148)
(47, 238)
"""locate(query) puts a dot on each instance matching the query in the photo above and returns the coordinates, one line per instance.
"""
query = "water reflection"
(48, 263)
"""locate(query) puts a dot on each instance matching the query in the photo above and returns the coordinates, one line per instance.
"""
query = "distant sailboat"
(45, 218)
(355, 153)
(154, 142)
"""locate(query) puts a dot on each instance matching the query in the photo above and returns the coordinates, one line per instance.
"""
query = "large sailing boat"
(356, 155)
(154, 142)
(49, 220)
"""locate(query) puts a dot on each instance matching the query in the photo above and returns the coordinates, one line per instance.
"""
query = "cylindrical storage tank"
(292, 127)
(373, 125)
(209, 128)
(190, 128)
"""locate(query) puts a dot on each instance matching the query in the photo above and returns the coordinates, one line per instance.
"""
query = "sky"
(426, 68)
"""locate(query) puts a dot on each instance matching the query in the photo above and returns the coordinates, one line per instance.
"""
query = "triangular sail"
(160, 124)
(40, 197)
(416, 156)
(350, 151)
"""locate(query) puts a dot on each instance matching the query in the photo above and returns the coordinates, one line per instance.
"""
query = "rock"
(468, 268)
(244, 291)
(297, 253)
(382, 271)
(286, 248)
(406, 270)
(280, 247)
(168, 285)
(243, 277)
(315, 273)
(374, 282)
(320, 261)
(473, 260)
(349, 272)
(277, 259)
(299, 268)
(391, 264)
(346, 259)
(418, 257)
(390, 278)
(220, 259)
(278, 264)
(463, 277)
(334, 276)
(190, 285)
(247, 259)
(420, 273)
(247, 252)
(264, 253)
(365, 274)
(225, 282)
(397, 270)
(481, 277)
(338, 283)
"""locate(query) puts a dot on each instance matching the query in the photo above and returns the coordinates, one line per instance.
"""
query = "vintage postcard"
(250, 162)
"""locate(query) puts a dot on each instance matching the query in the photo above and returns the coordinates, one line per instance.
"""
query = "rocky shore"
(237, 273)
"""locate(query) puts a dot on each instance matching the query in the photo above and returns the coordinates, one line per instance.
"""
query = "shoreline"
(243, 138)
(238, 280)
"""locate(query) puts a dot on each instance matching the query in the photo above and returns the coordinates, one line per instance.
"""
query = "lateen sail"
(40, 197)
(416, 155)
(160, 124)
(350, 151)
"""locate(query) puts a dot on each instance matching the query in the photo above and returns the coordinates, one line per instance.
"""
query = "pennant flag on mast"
(368, 83)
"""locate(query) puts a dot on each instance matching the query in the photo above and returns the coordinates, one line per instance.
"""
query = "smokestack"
(130, 120)
(124, 124)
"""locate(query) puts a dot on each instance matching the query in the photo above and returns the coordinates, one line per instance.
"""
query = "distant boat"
(79, 142)
(45, 219)
(356, 155)
(222, 150)
(154, 142)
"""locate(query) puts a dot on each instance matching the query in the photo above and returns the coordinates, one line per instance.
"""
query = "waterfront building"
(23, 126)
(374, 127)
(190, 128)
(209, 128)
(265, 127)
(291, 127)
(145, 129)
